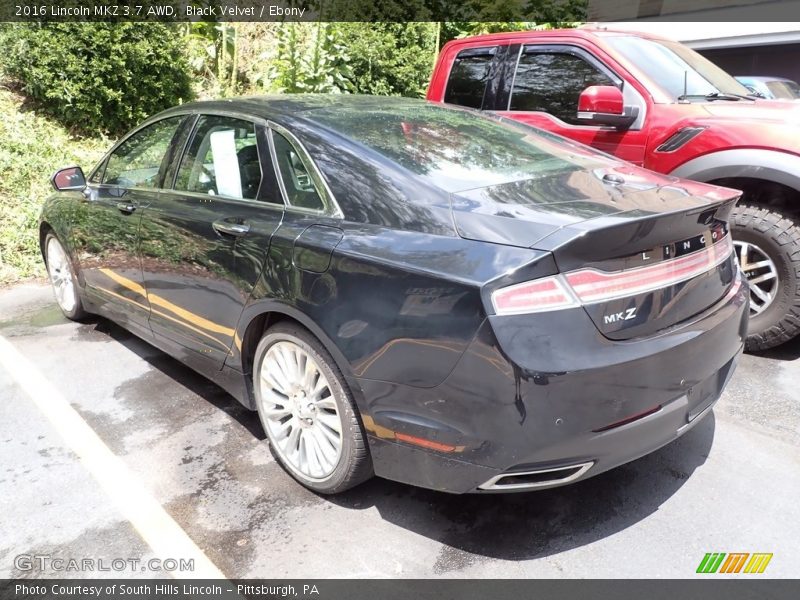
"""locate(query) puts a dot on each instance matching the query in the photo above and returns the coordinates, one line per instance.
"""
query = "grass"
(32, 147)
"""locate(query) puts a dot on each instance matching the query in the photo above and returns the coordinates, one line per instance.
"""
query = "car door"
(105, 235)
(205, 240)
(544, 90)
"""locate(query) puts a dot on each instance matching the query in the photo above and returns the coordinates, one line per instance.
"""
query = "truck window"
(551, 82)
(676, 69)
(469, 76)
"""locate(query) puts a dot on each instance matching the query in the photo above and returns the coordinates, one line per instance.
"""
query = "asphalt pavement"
(179, 445)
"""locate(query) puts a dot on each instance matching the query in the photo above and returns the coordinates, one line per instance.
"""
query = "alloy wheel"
(761, 274)
(60, 272)
(300, 411)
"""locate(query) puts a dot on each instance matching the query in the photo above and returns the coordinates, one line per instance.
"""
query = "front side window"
(222, 159)
(552, 82)
(295, 175)
(469, 76)
(136, 163)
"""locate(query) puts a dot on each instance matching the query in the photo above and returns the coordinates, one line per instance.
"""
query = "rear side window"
(295, 175)
(222, 159)
(551, 82)
(469, 77)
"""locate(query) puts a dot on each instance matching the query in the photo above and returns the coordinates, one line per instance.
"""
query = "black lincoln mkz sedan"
(429, 294)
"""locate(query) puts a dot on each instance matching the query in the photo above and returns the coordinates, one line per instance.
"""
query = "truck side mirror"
(604, 105)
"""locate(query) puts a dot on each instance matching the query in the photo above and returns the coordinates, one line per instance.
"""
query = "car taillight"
(589, 286)
(549, 293)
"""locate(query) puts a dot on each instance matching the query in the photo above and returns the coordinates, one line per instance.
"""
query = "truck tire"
(768, 248)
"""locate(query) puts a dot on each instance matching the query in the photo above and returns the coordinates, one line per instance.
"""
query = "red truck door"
(546, 84)
(539, 84)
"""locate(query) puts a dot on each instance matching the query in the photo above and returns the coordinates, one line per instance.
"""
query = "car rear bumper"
(559, 407)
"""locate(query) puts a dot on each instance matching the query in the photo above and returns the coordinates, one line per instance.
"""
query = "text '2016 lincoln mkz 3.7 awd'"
(424, 293)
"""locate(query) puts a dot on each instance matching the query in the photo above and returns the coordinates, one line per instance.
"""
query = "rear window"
(469, 75)
(457, 150)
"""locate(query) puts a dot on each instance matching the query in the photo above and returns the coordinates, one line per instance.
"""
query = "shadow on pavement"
(177, 371)
(534, 524)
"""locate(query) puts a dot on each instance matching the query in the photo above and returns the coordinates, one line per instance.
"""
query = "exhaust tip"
(522, 480)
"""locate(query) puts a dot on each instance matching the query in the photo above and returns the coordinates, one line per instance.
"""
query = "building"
(734, 34)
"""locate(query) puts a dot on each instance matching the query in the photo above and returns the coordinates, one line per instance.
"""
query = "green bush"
(97, 77)
(387, 59)
(391, 59)
(32, 147)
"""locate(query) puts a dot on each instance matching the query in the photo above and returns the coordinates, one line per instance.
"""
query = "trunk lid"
(626, 231)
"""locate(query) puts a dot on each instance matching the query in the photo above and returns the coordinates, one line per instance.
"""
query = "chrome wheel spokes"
(761, 274)
(60, 272)
(300, 411)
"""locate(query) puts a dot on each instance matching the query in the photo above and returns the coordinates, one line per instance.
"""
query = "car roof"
(292, 106)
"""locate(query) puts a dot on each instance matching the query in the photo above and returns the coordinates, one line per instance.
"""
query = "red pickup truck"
(658, 104)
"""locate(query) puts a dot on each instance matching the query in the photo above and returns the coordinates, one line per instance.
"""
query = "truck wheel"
(768, 248)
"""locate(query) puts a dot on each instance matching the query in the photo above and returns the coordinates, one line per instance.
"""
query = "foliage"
(32, 147)
(364, 58)
(393, 59)
(212, 50)
(97, 77)
(452, 30)
(541, 11)
(310, 58)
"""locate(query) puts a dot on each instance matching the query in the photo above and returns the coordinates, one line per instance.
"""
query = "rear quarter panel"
(396, 306)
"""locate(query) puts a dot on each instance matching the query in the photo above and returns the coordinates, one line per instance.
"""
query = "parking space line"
(156, 527)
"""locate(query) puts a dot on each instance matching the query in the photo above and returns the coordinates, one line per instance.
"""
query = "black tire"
(74, 308)
(778, 237)
(354, 464)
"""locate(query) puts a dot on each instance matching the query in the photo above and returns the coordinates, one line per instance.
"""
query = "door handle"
(224, 227)
(126, 207)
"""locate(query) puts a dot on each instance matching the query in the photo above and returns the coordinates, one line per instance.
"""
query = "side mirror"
(71, 178)
(604, 105)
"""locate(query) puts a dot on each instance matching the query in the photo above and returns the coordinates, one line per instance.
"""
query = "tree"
(212, 48)
(310, 58)
(366, 58)
(97, 76)
(389, 58)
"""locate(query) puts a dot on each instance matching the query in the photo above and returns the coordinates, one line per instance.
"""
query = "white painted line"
(145, 513)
